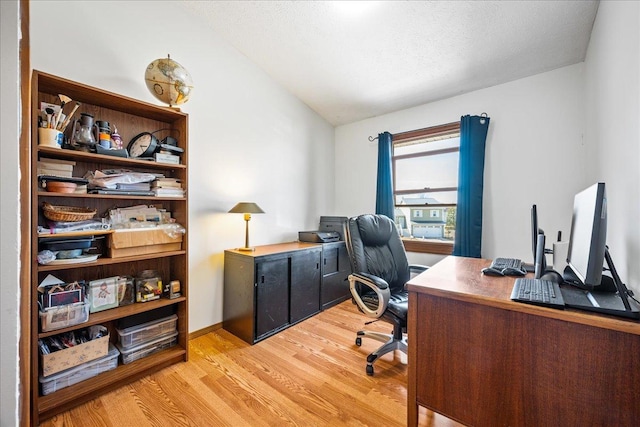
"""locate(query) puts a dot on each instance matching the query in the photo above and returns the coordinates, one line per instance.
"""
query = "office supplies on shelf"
(537, 291)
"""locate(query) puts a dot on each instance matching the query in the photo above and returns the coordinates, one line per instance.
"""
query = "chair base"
(391, 342)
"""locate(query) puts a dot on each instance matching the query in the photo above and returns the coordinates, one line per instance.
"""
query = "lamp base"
(246, 249)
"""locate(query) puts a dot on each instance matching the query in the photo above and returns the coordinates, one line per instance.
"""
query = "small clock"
(143, 145)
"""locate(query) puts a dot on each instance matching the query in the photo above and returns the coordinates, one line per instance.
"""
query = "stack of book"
(55, 167)
(167, 187)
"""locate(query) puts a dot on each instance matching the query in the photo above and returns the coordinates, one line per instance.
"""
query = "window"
(425, 187)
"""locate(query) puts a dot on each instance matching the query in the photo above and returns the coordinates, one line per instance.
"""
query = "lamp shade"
(246, 207)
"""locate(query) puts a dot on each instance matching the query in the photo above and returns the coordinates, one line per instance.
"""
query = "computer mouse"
(553, 276)
(513, 272)
(492, 271)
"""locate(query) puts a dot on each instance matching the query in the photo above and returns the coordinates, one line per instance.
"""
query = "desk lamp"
(246, 208)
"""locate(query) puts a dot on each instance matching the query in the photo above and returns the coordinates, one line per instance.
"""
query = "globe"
(168, 81)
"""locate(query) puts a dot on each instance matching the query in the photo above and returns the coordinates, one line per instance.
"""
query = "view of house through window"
(425, 187)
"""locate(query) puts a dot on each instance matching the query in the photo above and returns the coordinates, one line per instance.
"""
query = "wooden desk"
(481, 359)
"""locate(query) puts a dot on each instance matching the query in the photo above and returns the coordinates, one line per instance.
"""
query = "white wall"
(534, 154)
(249, 140)
(612, 91)
(9, 212)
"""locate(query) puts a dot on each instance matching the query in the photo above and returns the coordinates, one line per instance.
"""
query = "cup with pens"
(53, 122)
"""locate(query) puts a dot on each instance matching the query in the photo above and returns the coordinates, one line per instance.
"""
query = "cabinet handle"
(261, 279)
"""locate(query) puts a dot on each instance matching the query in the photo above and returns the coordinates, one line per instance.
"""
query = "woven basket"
(66, 213)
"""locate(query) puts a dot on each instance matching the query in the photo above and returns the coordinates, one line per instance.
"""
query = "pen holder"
(48, 137)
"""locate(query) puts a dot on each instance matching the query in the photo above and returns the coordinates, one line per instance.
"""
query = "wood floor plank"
(311, 374)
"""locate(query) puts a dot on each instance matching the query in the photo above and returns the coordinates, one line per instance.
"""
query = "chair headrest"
(375, 230)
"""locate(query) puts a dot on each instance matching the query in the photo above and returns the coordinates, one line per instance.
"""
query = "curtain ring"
(483, 116)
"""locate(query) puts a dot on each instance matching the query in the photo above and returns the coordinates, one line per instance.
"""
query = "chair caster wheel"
(370, 370)
(358, 341)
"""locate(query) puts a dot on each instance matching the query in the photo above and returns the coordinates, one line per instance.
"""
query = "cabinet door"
(305, 284)
(336, 269)
(272, 295)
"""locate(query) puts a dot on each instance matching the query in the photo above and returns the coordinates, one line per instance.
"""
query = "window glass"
(425, 169)
(427, 172)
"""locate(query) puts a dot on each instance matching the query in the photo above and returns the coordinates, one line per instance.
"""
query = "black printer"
(331, 229)
(318, 236)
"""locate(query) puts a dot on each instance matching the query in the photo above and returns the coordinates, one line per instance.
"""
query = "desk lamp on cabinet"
(246, 208)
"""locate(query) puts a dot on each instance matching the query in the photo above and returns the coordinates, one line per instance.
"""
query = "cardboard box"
(73, 356)
(124, 243)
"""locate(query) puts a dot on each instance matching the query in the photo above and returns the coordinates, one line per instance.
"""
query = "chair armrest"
(378, 285)
(418, 268)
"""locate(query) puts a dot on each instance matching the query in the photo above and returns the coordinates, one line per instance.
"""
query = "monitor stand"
(615, 303)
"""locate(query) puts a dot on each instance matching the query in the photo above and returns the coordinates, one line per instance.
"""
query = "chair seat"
(398, 303)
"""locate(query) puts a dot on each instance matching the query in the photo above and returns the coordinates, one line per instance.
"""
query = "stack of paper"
(167, 187)
(55, 167)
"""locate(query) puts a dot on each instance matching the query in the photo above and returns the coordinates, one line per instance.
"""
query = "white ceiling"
(353, 60)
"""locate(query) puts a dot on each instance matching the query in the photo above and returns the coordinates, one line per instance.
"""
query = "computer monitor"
(587, 241)
(535, 234)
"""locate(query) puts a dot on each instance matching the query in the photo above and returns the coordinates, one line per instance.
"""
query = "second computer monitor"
(535, 233)
(587, 241)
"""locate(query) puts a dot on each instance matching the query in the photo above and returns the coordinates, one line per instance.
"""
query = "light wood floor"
(311, 374)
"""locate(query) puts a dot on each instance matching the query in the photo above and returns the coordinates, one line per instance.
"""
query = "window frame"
(449, 129)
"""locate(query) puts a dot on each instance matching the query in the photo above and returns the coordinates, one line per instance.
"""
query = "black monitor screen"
(535, 232)
(587, 242)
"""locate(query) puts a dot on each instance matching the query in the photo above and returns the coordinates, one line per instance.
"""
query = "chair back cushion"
(375, 247)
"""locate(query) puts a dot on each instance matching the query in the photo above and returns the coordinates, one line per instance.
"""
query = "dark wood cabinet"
(335, 270)
(270, 288)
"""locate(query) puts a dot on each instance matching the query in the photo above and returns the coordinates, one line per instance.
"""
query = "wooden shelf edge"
(71, 396)
(106, 196)
(108, 261)
(93, 157)
(85, 233)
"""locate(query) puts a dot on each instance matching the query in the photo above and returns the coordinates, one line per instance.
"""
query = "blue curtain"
(384, 189)
(473, 136)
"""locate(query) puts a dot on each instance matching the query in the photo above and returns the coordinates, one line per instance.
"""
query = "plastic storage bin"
(64, 316)
(148, 286)
(126, 291)
(145, 332)
(103, 294)
(134, 353)
(82, 372)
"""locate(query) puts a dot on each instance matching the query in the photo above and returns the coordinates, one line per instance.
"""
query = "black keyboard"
(502, 263)
(537, 291)
(505, 267)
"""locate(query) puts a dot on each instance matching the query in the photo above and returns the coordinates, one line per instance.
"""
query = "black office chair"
(379, 272)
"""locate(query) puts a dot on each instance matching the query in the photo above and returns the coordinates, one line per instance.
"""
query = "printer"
(330, 230)
(318, 236)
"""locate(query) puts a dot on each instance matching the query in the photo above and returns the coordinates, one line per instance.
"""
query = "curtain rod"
(372, 138)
